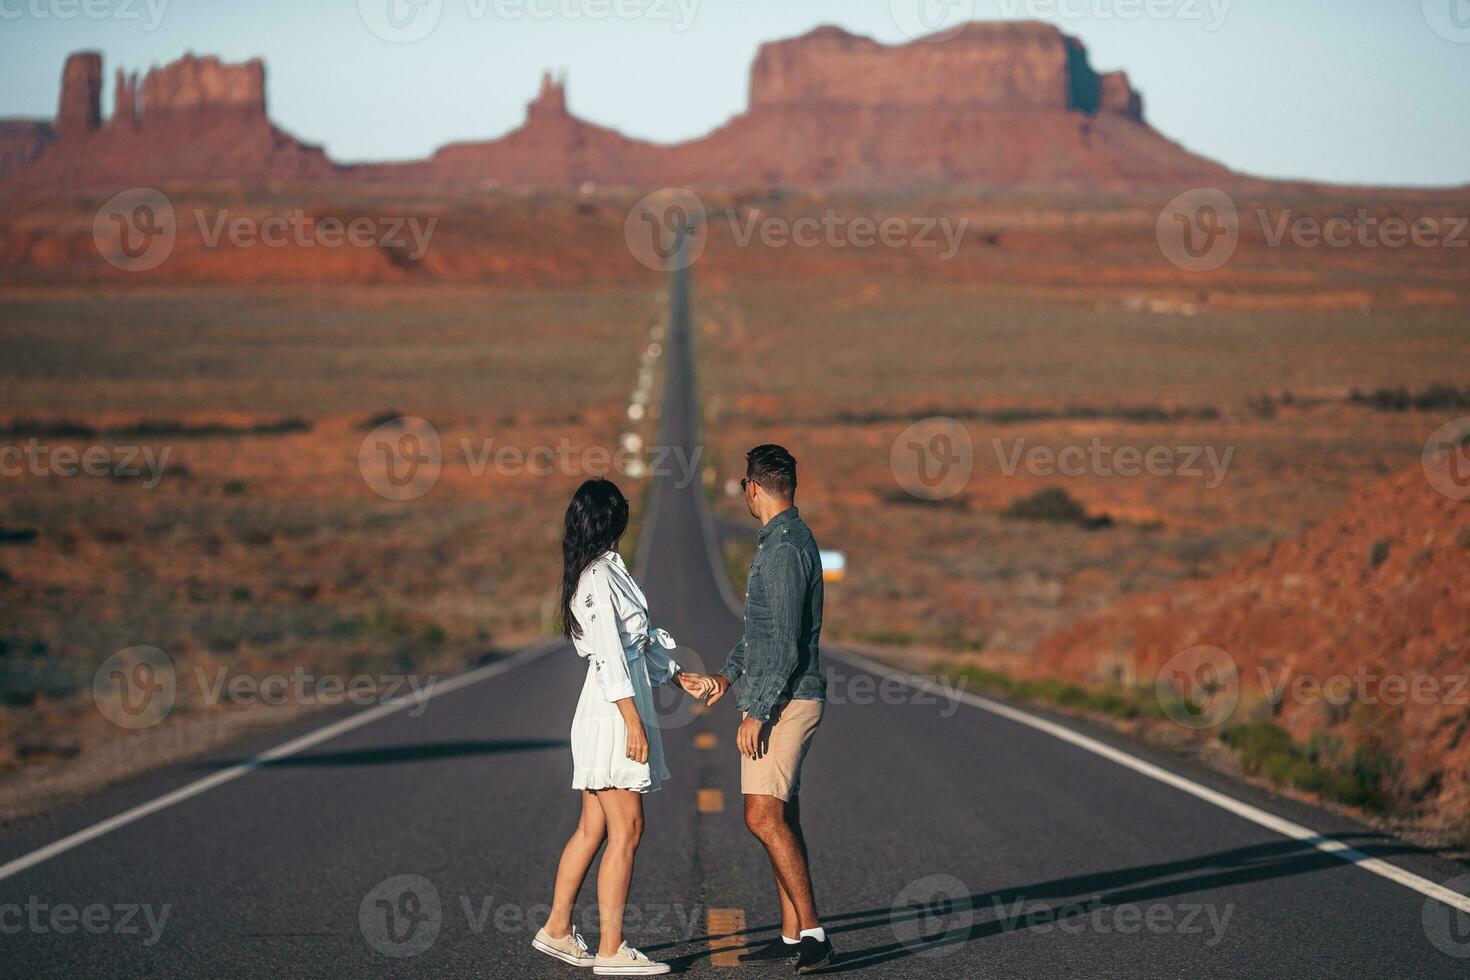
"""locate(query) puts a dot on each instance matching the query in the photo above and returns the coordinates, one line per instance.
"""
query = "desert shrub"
(1434, 398)
(32, 673)
(18, 535)
(1366, 778)
(888, 638)
(1380, 551)
(1054, 506)
(382, 418)
(1116, 702)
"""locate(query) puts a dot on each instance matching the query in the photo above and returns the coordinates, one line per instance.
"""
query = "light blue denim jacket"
(777, 660)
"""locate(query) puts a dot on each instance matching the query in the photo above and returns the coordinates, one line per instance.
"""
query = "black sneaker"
(813, 955)
(776, 949)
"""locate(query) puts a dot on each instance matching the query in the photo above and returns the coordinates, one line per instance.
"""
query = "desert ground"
(1278, 386)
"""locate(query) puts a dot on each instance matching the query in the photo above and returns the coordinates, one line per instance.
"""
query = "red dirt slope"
(1377, 596)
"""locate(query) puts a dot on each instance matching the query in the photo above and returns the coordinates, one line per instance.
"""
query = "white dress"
(625, 657)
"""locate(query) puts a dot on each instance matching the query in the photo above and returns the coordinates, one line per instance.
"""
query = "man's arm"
(785, 584)
(734, 663)
(728, 674)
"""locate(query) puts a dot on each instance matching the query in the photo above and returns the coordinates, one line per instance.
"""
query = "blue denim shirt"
(777, 659)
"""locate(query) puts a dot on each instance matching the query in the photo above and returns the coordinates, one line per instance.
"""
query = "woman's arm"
(637, 749)
(598, 616)
(661, 665)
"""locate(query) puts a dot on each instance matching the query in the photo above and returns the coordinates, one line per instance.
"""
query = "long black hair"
(596, 519)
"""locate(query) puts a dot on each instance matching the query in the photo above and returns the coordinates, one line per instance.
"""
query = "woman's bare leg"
(576, 859)
(623, 810)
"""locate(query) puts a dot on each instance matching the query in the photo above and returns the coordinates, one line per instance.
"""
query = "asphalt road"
(947, 840)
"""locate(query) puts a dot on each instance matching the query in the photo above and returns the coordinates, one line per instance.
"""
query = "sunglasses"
(746, 481)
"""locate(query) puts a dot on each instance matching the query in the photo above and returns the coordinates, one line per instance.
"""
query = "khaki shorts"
(784, 743)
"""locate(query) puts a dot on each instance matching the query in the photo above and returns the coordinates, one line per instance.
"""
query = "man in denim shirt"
(782, 695)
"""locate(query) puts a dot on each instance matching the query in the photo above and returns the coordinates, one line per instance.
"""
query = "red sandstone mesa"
(1002, 105)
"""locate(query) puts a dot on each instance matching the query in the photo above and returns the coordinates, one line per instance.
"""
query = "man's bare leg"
(777, 826)
(789, 921)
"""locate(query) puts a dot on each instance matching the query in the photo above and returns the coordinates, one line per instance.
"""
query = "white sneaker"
(628, 963)
(569, 949)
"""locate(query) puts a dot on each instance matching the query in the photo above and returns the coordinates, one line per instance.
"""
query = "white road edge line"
(283, 751)
(1255, 815)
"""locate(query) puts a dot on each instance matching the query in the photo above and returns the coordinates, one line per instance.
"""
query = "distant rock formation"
(194, 119)
(1004, 67)
(80, 112)
(1003, 105)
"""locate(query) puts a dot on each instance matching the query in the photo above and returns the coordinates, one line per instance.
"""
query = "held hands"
(708, 687)
(695, 685)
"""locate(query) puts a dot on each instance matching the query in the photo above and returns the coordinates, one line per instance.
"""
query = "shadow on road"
(392, 754)
(951, 921)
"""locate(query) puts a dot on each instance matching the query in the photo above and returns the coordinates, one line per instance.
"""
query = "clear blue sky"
(1359, 91)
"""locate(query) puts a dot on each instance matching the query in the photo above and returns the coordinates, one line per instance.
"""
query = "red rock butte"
(1001, 105)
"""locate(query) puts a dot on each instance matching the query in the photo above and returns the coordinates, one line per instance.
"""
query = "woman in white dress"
(617, 755)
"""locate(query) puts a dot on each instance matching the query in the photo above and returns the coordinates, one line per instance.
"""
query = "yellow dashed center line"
(706, 740)
(711, 801)
(725, 927)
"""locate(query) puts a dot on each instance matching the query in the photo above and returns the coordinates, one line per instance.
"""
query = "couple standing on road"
(617, 753)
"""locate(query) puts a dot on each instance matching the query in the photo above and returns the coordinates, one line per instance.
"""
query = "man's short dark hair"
(774, 469)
